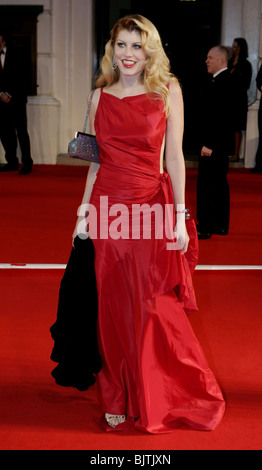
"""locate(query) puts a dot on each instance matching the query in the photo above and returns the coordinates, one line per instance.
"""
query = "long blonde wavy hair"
(156, 75)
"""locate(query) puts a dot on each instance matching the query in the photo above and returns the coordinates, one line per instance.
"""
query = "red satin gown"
(153, 368)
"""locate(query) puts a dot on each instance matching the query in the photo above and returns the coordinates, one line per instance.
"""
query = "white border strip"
(204, 267)
(228, 268)
(32, 266)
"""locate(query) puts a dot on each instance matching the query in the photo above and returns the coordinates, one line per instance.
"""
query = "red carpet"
(36, 221)
(37, 414)
(244, 245)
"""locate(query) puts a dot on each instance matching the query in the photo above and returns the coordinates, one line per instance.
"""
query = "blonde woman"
(154, 374)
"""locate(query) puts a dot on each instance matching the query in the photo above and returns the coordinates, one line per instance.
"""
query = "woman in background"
(241, 71)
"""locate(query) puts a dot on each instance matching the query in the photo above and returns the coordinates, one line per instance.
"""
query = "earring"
(114, 64)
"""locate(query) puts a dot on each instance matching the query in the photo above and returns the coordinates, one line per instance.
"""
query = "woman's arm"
(175, 163)
(90, 180)
(93, 169)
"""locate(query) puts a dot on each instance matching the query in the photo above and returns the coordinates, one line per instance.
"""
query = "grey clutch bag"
(84, 146)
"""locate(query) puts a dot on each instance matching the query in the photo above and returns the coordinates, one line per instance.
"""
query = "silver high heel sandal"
(114, 420)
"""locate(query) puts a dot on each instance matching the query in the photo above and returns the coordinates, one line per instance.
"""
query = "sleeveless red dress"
(153, 368)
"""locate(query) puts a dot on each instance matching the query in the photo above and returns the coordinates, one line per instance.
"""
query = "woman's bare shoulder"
(175, 90)
(95, 98)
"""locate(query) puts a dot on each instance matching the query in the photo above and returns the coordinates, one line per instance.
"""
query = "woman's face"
(235, 48)
(130, 57)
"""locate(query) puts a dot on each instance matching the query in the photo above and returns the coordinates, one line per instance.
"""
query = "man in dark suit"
(13, 118)
(217, 137)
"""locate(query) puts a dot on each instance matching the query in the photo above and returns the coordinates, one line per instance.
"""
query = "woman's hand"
(74, 236)
(80, 229)
(181, 234)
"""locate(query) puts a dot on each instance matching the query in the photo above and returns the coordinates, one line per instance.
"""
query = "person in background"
(258, 164)
(241, 71)
(7, 126)
(216, 140)
(13, 117)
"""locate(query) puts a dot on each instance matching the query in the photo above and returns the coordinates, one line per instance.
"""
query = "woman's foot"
(114, 420)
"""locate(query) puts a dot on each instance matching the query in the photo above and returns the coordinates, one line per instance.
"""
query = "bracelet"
(184, 211)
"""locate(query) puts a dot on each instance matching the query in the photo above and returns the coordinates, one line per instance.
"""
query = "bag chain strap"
(88, 109)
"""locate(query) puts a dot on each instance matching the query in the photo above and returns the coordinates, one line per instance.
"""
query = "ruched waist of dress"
(130, 187)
